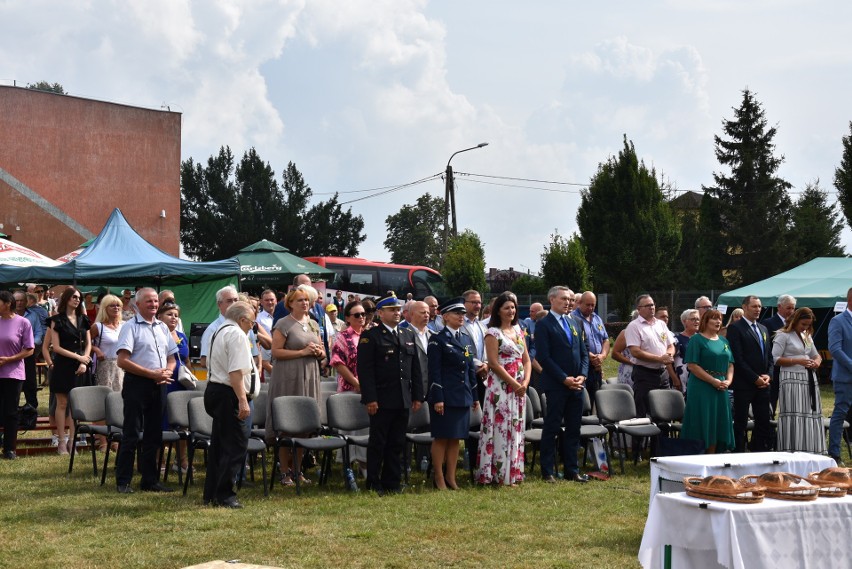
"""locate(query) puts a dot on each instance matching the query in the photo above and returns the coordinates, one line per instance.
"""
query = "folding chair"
(88, 406)
(346, 413)
(666, 407)
(200, 431)
(418, 434)
(614, 406)
(115, 425)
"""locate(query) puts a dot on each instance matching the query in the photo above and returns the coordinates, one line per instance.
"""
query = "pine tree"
(816, 225)
(752, 207)
(843, 178)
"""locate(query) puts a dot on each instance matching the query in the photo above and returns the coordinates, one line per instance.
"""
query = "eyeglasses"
(705, 307)
(115, 305)
(253, 322)
(230, 300)
(39, 290)
(358, 314)
(694, 319)
(77, 296)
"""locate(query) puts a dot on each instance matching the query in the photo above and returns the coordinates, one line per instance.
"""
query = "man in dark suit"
(752, 352)
(389, 372)
(840, 346)
(561, 351)
(785, 308)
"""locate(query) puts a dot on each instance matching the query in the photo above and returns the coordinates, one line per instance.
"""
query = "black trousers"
(384, 452)
(10, 394)
(564, 408)
(593, 383)
(228, 443)
(143, 413)
(30, 386)
(758, 399)
(645, 380)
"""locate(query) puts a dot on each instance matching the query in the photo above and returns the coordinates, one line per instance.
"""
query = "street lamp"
(450, 195)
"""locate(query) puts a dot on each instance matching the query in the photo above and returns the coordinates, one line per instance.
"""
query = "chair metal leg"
(73, 449)
(189, 469)
(297, 472)
(623, 450)
(94, 459)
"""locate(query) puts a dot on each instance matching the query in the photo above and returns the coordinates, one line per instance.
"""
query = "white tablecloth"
(774, 534)
(735, 465)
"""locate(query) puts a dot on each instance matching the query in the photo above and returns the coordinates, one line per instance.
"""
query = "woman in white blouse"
(800, 411)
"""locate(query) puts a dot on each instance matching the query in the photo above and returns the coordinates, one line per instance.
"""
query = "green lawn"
(49, 520)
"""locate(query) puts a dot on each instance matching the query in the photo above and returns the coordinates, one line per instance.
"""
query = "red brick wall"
(87, 157)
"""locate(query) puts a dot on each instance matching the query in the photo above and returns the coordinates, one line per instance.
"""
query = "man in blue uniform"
(389, 373)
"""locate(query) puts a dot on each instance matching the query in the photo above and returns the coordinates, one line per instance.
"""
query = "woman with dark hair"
(501, 442)
(370, 312)
(69, 337)
(16, 344)
(711, 369)
(344, 351)
(800, 410)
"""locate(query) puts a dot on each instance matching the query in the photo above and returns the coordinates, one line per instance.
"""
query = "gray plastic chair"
(474, 433)
(588, 418)
(115, 425)
(418, 434)
(666, 407)
(621, 386)
(88, 406)
(532, 435)
(293, 417)
(176, 408)
(200, 431)
(346, 413)
(616, 405)
(258, 415)
(591, 428)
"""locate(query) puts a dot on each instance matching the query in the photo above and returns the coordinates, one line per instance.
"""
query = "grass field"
(50, 520)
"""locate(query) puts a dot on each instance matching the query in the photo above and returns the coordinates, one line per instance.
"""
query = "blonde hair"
(103, 309)
(308, 290)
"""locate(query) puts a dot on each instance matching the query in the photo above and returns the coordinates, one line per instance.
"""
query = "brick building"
(66, 162)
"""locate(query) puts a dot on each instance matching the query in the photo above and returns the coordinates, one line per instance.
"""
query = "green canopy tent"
(818, 284)
(267, 264)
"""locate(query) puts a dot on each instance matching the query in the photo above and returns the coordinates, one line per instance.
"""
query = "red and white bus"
(373, 278)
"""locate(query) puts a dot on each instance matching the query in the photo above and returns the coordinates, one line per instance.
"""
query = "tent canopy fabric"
(16, 255)
(266, 262)
(819, 283)
(120, 255)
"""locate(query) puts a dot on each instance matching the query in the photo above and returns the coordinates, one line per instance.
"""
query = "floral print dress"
(501, 442)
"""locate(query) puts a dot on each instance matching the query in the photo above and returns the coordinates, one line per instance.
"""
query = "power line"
(395, 188)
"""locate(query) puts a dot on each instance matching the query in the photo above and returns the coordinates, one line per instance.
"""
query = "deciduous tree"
(415, 234)
(563, 262)
(464, 267)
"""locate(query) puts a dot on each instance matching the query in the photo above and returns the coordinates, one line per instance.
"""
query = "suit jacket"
(423, 357)
(388, 369)
(749, 361)
(557, 357)
(840, 346)
(474, 337)
(452, 373)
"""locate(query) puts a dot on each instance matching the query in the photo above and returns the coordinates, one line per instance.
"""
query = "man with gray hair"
(146, 353)
(225, 297)
(784, 308)
(702, 305)
(597, 340)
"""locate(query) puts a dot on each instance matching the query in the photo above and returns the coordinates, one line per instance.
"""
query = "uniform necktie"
(567, 329)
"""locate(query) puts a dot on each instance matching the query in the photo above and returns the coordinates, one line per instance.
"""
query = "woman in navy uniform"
(452, 391)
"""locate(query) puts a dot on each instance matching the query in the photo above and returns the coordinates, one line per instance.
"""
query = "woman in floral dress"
(501, 442)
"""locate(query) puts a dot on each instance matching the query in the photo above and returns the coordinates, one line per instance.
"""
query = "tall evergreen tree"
(626, 226)
(843, 178)
(751, 201)
(816, 225)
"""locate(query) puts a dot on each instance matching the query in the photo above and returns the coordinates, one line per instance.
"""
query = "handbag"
(27, 417)
(186, 378)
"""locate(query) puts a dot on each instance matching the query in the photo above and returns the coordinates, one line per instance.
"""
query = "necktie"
(759, 336)
(567, 329)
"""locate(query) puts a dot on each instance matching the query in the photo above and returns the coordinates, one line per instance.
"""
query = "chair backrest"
(475, 422)
(543, 398)
(258, 414)
(419, 421)
(345, 412)
(587, 402)
(621, 386)
(264, 387)
(323, 406)
(614, 405)
(114, 410)
(295, 415)
(535, 400)
(528, 416)
(666, 405)
(200, 423)
(176, 407)
(330, 386)
(201, 385)
(88, 403)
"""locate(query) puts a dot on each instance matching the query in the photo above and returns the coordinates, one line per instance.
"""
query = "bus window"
(427, 283)
(362, 281)
(395, 280)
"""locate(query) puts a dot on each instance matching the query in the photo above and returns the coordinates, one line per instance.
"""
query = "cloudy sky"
(374, 94)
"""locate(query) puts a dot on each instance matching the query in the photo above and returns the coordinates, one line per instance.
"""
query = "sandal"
(287, 480)
(304, 481)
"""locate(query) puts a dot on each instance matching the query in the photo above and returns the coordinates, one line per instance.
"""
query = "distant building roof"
(687, 200)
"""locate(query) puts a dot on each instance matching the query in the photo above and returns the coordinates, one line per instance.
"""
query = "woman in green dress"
(711, 369)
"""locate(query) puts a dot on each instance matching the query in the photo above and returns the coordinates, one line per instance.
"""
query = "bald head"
(587, 303)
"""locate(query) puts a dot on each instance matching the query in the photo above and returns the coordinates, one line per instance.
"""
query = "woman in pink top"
(16, 344)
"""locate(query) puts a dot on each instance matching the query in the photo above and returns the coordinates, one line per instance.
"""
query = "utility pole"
(450, 199)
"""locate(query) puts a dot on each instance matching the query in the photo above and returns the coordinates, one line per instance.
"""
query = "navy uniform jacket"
(558, 358)
(388, 370)
(452, 375)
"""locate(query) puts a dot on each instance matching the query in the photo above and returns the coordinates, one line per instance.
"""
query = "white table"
(774, 534)
(668, 472)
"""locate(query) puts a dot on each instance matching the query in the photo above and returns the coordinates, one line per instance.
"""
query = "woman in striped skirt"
(800, 411)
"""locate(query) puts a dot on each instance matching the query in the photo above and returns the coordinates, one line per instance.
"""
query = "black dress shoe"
(837, 460)
(124, 489)
(550, 479)
(232, 503)
(157, 487)
(10, 455)
(577, 477)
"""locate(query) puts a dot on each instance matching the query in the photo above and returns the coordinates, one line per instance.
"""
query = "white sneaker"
(54, 441)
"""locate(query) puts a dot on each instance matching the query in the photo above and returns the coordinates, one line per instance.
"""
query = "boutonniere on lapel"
(467, 351)
(600, 328)
(664, 336)
(764, 337)
(574, 331)
(724, 347)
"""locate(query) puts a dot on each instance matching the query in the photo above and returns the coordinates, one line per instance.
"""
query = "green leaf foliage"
(529, 285)
(752, 207)
(627, 227)
(563, 262)
(47, 86)
(225, 207)
(816, 225)
(843, 178)
(415, 234)
(464, 267)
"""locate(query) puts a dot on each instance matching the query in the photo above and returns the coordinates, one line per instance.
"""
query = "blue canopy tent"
(120, 256)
